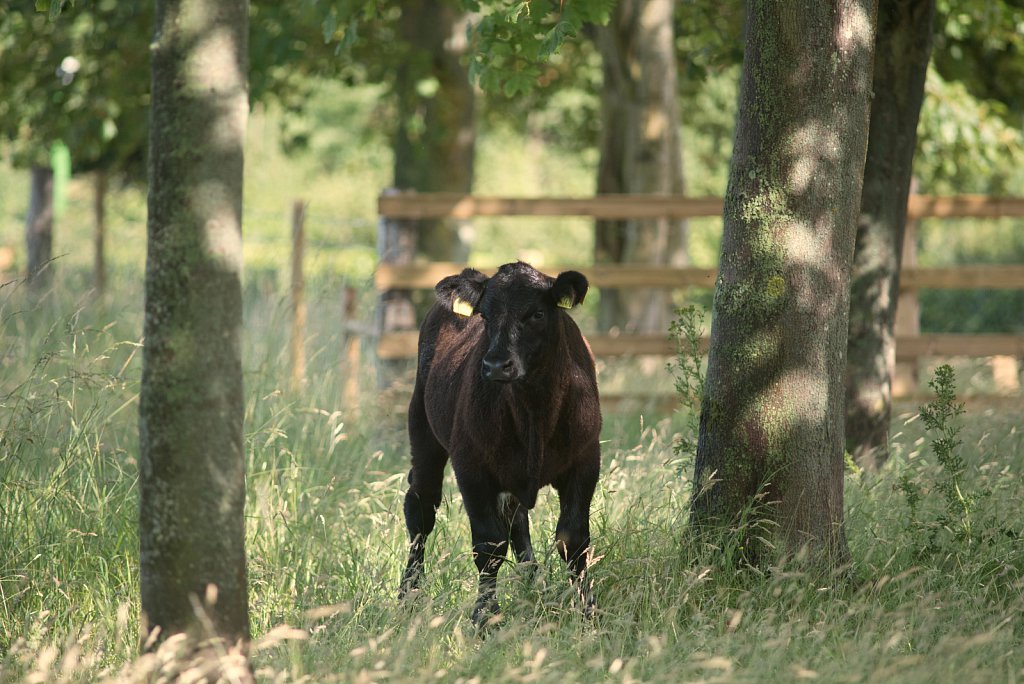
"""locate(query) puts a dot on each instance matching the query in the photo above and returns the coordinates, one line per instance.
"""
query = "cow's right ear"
(461, 293)
(569, 289)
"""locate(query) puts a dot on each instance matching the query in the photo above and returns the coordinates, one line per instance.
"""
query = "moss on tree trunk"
(192, 466)
(771, 433)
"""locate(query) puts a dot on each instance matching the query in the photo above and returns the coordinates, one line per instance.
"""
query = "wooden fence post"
(39, 229)
(908, 314)
(298, 289)
(396, 244)
(353, 349)
(99, 237)
(1005, 373)
(6, 262)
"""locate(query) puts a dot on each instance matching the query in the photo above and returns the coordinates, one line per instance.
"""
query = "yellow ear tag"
(565, 302)
(462, 307)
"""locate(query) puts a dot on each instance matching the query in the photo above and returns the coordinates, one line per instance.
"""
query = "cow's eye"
(538, 315)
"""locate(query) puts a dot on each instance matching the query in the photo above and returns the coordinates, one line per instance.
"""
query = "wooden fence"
(397, 272)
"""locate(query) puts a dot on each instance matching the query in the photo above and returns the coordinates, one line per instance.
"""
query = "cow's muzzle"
(499, 369)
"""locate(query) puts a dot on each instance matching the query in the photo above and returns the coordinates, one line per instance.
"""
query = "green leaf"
(523, 8)
(349, 38)
(330, 25)
(555, 38)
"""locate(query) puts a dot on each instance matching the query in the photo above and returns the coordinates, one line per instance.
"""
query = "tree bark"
(770, 448)
(639, 153)
(436, 138)
(39, 228)
(902, 51)
(192, 465)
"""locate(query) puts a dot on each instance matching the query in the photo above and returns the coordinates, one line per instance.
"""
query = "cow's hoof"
(486, 615)
(585, 600)
(528, 571)
(410, 585)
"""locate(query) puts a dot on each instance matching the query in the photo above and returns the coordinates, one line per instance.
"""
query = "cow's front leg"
(490, 545)
(572, 534)
(517, 519)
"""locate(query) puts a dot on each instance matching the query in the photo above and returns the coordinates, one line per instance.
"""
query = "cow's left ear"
(570, 289)
(462, 293)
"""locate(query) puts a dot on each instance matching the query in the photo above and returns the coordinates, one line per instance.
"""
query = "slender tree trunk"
(192, 465)
(640, 153)
(436, 137)
(771, 429)
(39, 228)
(99, 236)
(903, 48)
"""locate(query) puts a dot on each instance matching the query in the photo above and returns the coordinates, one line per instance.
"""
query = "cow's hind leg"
(424, 496)
(572, 534)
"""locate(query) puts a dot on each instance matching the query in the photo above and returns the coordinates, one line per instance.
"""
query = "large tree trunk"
(771, 428)
(192, 465)
(640, 153)
(903, 47)
(436, 137)
(39, 228)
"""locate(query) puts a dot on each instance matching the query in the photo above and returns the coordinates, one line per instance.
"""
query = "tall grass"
(326, 539)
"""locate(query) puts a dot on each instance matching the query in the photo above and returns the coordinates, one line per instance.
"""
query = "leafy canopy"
(513, 39)
(510, 39)
(82, 78)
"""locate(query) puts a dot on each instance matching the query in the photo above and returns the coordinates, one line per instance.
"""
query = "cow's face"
(520, 307)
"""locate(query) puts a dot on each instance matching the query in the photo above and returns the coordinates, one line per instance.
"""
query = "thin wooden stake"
(99, 236)
(904, 372)
(353, 350)
(298, 290)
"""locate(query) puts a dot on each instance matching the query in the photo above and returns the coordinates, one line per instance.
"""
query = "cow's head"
(520, 307)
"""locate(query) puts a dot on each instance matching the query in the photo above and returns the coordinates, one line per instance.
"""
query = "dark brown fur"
(536, 421)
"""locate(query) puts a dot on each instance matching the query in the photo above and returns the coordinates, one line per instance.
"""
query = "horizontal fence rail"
(410, 206)
(424, 276)
(401, 345)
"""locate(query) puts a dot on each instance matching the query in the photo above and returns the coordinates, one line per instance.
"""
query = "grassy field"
(938, 586)
(326, 540)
